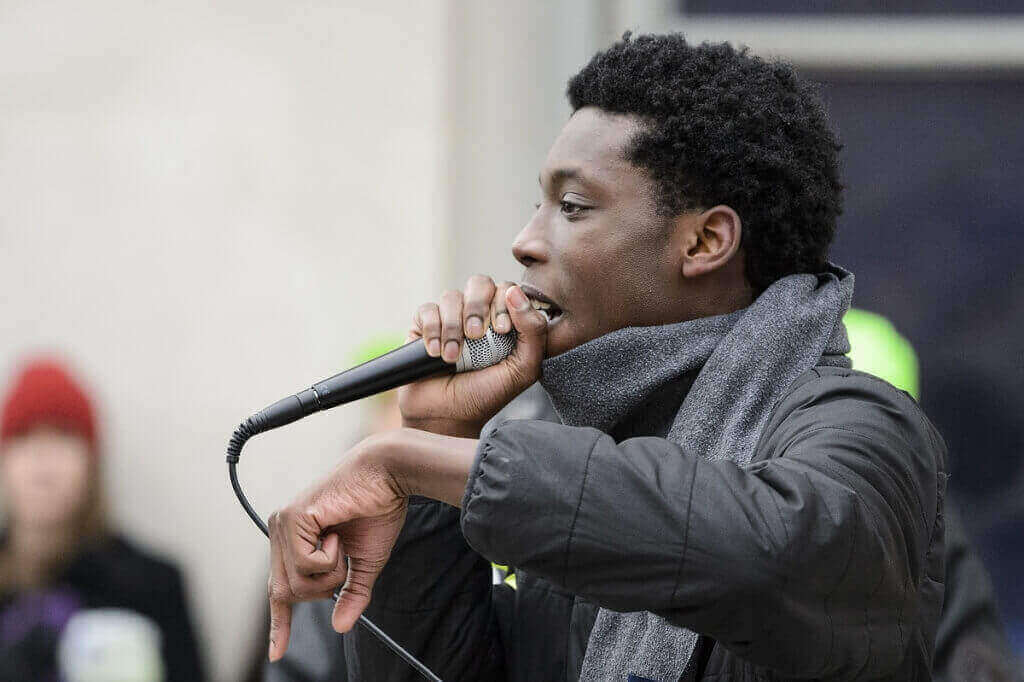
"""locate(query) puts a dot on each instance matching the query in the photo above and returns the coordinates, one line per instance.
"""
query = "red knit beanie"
(44, 392)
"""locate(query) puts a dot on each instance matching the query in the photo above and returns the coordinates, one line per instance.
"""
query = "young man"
(725, 498)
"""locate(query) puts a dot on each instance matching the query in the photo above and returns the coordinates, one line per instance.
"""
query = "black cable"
(243, 433)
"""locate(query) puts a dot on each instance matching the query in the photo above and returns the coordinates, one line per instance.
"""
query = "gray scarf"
(746, 360)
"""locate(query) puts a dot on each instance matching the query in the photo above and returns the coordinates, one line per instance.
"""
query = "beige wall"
(508, 71)
(206, 206)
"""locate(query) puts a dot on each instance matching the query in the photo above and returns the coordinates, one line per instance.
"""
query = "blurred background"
(205, 206)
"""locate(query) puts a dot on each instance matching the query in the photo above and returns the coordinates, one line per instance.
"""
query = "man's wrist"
(427, 464)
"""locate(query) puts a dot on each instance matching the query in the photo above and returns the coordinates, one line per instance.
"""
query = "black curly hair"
(721, 126)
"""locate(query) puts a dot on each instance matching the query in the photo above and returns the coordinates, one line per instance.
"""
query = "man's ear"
(709, 239)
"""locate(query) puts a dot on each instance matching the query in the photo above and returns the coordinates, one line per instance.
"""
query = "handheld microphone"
(401, 366)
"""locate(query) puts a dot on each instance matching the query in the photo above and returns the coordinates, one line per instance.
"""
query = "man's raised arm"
(806, 561)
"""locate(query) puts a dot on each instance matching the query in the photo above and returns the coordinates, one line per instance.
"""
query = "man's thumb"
(532, 333)
(354, 597)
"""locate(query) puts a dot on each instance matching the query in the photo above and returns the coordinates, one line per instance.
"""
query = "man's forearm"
(428, 464)
(445, 427)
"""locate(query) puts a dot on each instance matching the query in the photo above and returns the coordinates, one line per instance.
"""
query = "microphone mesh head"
(486, 351)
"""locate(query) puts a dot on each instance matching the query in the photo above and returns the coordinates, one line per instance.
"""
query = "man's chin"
(560, 339)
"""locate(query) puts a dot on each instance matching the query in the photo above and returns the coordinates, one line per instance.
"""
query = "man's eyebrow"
(561, 175)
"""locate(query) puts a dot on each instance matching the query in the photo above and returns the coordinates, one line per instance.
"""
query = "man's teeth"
(543, 307)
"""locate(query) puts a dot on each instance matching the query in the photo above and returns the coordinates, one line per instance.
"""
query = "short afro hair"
(721, 126)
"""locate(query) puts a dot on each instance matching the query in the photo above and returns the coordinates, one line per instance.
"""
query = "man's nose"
(530, 245)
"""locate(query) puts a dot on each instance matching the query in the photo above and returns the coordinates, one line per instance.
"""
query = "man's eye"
(570, 209)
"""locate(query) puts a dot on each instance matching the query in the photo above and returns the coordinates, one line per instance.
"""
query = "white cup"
(110, 645)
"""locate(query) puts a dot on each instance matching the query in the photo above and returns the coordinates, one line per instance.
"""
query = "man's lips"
(541, 302)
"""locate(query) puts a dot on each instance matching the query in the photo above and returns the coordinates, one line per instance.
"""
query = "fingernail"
(474, 326)
(517, 299)
(503, 323)
(434, 347)
(451, 351)
(270, 650)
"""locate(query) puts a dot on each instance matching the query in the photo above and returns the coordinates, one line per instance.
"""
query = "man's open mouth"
(542, 303)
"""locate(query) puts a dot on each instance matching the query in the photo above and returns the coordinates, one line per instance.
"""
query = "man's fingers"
(331, 547)
(476, 305)
(316, 575)
(355, 595)
(278, 595)
(500, 320)
(280, 629)
(321, 558)
(459, 315)
(297, 532)
(451, 325)
(320, 587)
(427, 324)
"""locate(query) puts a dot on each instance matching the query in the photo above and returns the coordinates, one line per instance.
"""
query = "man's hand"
(343, 529)
(460, 404)
(357, 512)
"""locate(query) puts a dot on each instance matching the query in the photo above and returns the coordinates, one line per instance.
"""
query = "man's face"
(596, 249)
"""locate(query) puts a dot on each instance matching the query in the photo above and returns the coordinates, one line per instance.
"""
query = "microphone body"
(404, 365)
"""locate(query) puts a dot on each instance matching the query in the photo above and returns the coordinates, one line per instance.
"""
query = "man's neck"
(721, 292)
(720, 301)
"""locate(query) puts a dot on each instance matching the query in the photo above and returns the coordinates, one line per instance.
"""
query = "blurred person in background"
(971, 643)
(60, 561)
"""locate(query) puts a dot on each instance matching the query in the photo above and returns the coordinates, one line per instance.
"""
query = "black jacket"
(822, 559)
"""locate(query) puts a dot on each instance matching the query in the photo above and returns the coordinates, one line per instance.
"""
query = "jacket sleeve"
(433, 598)
(806, 561)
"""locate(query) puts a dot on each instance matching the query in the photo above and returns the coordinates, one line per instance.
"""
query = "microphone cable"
(243, 433)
